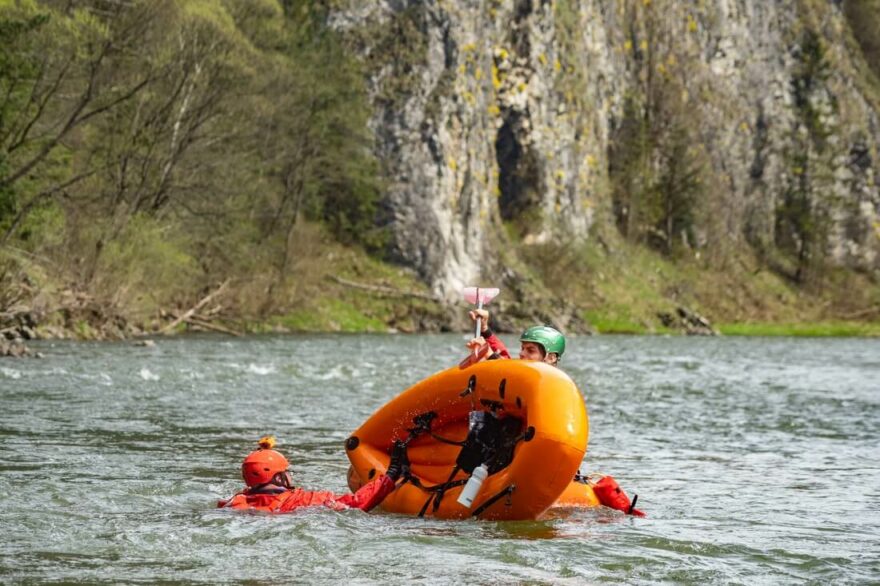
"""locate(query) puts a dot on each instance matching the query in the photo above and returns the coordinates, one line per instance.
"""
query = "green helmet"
(550, 339)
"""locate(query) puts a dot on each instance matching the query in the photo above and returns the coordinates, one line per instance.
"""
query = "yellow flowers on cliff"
(496, 78)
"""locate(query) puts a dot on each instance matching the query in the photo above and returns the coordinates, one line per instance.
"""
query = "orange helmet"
(262, 465)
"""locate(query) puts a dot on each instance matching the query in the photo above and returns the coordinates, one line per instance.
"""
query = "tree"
(803, 215)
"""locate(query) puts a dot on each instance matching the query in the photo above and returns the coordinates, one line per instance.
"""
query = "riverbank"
(606, 290)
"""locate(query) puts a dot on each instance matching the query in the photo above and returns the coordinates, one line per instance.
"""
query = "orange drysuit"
(282, 500)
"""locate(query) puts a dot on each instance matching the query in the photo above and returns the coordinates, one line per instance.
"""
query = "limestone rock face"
(500, 119)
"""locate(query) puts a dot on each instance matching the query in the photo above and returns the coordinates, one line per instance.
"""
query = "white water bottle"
(470, 490)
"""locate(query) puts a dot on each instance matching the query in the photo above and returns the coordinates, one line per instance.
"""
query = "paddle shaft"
(479, 319)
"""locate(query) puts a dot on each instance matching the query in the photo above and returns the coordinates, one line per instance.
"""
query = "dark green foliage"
(803, 216)
(19, 65)
(810, 76)
(7, 199)
(656, 164)
(186, 129)
(864, 20)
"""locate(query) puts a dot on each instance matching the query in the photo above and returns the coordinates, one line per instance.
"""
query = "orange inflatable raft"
(578, 494)
(523, 422)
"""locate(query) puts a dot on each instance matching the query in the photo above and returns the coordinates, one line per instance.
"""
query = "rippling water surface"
(757, 461)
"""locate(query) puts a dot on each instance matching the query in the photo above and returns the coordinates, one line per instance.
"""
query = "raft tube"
(554, 428)
(577, 495)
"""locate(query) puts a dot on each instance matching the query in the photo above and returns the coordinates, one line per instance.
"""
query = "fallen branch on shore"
(382, 290)
(198, 321)
(188, 315)
(869, 312)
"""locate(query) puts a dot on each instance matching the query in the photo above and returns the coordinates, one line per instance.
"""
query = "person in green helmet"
(542, 343)
(538, 343)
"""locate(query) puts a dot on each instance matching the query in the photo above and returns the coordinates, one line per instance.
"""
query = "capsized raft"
(538, 404)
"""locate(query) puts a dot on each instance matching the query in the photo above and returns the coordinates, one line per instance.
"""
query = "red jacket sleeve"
(369, 495)
(497, 345)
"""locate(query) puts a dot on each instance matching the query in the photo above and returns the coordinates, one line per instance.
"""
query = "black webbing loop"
(414, 480)
(505, 492)
(442, 492)
(443, 440)
(438, 491)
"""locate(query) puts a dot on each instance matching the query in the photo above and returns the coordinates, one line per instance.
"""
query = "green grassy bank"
(614, 288)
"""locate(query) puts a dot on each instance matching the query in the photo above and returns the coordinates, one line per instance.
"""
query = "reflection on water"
(756, 461)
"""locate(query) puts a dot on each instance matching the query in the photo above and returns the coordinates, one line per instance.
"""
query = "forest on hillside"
(151, 149)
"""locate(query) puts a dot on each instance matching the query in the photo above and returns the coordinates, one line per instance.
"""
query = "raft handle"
(472, 384)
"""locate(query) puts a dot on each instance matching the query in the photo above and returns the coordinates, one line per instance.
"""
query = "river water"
(756, 460)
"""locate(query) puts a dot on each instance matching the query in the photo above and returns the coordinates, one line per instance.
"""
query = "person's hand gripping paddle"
(479, 296)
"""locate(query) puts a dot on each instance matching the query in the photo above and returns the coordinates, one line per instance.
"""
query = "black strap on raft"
(488, 503)
(414, 480)
(423, 425)
(578, 477)
(632, 506)
(440, 492)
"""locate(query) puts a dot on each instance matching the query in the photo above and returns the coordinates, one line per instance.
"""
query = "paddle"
(479, 296)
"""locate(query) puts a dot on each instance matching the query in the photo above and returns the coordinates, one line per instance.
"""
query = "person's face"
(533, 351)
(283, 479)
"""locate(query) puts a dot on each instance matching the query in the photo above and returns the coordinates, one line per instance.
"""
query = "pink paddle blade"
(480, 295)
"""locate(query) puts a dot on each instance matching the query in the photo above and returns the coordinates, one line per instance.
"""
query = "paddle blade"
(476, 295)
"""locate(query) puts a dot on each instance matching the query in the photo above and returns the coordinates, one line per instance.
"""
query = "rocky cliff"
(704, 125)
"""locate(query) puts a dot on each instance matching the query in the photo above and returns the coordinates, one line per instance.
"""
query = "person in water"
(266, 473)
(538, 343)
